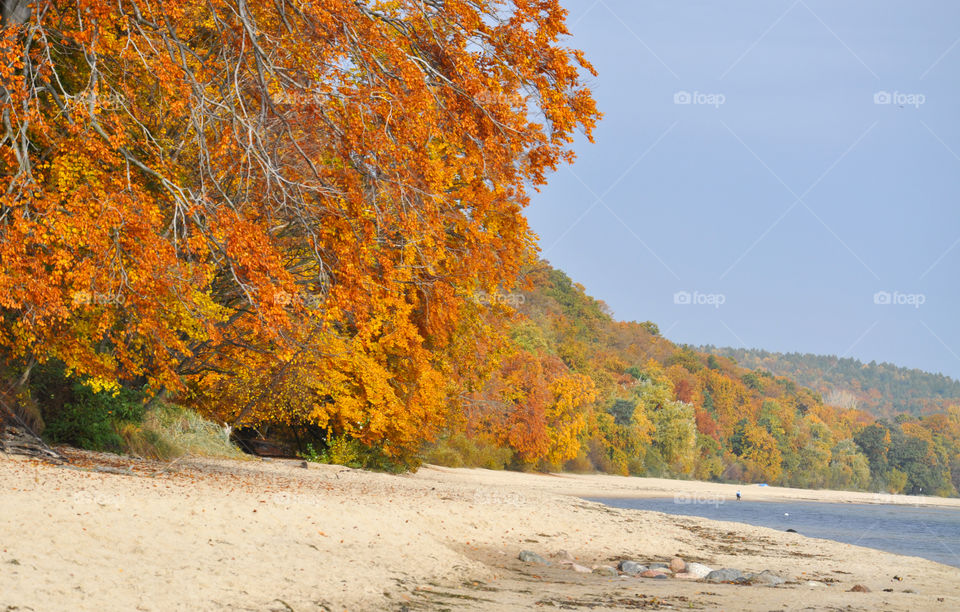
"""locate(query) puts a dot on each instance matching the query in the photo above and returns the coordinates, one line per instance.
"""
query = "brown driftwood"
(16, 438)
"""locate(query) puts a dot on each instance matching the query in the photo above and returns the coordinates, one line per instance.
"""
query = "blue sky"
(791, 168)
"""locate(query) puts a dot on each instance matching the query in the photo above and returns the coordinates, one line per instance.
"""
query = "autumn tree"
(761, 454)
(296, 201)
(849, 468)
(675, 435)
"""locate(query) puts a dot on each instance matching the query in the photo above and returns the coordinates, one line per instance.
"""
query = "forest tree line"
(650, 407)
(883, 389)
(308, 217)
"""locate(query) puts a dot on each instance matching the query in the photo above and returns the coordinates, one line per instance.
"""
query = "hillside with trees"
(580, 390)
(304, 222)
(882, 389)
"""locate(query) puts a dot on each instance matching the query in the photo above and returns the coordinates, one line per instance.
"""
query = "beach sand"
(202, 534)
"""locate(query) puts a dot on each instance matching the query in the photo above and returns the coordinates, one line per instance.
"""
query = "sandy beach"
(604, 485)
(112, 533)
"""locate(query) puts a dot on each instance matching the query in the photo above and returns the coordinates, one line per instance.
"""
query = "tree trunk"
(16, 438)
(14, 12)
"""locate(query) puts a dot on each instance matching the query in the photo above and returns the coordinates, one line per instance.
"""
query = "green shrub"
(605, 458)
(656, 467)
(311, 454)
(345, 451)
(117, 420)
(350, 452)
(580, 464)
(170, 431)
(86, 427)
(90, 419)
(458, 450)
(636, 466)
(145, 443)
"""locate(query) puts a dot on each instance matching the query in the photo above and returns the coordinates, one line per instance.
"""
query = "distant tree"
(651, 327)
(894, 480)
(849, 468)
(687, 358)
(753, 381)
(882, 388)
(675, 435)
(902, 418)
(738, 440)
(709, 458)
(841, 398)
(622, 411)
(771, 420)
(529, 336)
(916, 457)
(955, 471)
(874, 441)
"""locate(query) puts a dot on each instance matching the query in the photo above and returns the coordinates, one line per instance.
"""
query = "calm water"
(932, 533)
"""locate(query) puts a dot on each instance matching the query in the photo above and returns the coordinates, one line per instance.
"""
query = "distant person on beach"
(738, 495)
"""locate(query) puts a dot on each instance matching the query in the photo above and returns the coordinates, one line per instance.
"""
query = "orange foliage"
(534, 406)
(730, 399)
(686, 385)
(706, 424)
(277, 210)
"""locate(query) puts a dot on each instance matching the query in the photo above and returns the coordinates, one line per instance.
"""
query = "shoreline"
(119, 533)
(625, 487)
(832, 522)
(879, 499)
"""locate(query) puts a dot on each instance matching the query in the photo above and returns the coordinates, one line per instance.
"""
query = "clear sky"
(815, 163)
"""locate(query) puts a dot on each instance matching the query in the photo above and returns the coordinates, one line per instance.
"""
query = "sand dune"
(211, 535)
